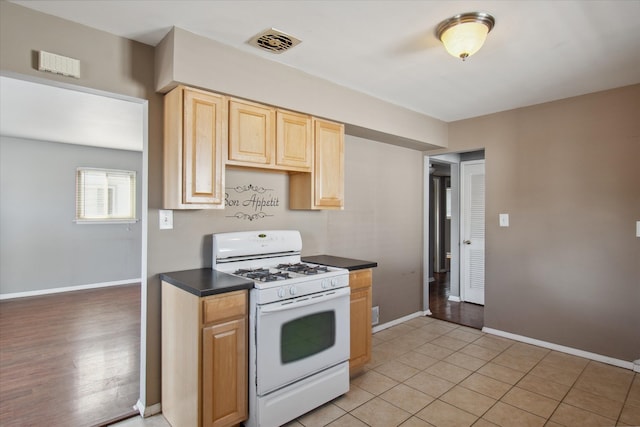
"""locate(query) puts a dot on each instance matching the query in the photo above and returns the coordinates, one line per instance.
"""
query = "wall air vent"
(274, 41)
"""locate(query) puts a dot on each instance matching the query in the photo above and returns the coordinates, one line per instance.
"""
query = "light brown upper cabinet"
(323, 188)
(195, 136)
(294, 141)
(266, 137)
(251, 134)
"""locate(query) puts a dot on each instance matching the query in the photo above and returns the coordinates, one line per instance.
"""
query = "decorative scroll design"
(256, 199)
(250, 187)
(250, 217)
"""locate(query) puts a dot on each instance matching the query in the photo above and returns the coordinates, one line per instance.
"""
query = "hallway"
(462, 313)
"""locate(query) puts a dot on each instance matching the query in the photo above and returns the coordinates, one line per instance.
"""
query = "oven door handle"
(303, 302)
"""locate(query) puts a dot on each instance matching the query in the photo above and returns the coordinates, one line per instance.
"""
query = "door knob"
(466, 242)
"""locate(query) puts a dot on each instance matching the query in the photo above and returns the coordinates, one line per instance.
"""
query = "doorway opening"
(443, 246)
(91, 277)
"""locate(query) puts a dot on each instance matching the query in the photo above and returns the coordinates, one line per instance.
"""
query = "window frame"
(108, 218)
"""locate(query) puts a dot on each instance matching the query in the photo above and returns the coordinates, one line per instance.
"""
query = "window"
(306, 336)
(105, 195)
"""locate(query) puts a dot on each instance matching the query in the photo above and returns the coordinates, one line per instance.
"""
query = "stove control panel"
(273, 293)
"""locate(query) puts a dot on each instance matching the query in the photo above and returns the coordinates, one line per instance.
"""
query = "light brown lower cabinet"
(360, 282)
(204, 358)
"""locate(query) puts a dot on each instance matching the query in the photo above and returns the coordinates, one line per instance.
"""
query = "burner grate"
(302, 268)
(262, 274)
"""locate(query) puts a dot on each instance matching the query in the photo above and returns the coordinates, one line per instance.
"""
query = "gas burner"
(262, 274)
(302, 268)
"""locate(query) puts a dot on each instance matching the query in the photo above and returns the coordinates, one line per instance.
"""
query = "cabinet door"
(224, 373)
(294, 141)
(360, 329)
(360, 282)
(329, 164)
(204, 130)
(251, 132)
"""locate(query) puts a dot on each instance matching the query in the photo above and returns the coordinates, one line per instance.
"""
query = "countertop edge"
(340, 262)
(242, 285)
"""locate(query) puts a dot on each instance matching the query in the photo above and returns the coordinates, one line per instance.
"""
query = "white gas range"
(298, 324)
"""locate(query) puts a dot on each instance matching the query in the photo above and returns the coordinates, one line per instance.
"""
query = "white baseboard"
(454, 298)
(635, 366)
(395, 322)
(69, 289)
(147, 411)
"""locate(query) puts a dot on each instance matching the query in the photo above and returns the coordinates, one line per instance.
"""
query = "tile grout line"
(568, 391)
(626, 397)
(481, 335)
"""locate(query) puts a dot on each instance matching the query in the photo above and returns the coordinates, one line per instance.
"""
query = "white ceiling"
(47, 112)
(539, 50)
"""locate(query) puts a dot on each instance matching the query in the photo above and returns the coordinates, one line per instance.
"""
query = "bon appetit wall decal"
(251, 202)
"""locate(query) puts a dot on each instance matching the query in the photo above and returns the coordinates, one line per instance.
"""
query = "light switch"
(637, 228)
(504, 220)
(166, 219)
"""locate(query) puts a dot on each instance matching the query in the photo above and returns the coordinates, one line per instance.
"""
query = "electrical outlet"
(637, 228)
(375, 315)
(166, 219)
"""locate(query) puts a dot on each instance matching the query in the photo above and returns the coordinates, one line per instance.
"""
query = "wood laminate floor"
(70, 359)
(462, 313)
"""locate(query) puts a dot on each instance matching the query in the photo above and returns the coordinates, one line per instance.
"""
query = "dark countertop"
(335, 261)
(203, 282)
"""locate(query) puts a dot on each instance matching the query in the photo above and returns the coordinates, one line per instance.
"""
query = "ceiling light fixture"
(464, 34)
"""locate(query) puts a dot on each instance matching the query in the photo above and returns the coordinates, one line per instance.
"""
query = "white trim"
(69, 289)
(400, 320)
(144, 210)
(147, 411)
(105, 221)
(454, 298)
(564, 349)
(425, 233)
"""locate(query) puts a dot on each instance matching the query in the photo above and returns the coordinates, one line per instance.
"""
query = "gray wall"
(523, 161)
(41, 247)
(383, 182)
(381, 222)
(110, 64)
(566, 271)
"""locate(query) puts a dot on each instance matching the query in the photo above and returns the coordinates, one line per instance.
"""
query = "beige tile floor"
(427, 372)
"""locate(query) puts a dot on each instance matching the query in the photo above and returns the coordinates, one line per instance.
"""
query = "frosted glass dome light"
(464, 34)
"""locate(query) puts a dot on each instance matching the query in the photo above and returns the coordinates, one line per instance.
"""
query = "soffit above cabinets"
(43, 112)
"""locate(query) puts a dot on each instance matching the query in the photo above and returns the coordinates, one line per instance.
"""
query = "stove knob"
(281, 293)
(292, 290)
(334, 282)
(324, 284)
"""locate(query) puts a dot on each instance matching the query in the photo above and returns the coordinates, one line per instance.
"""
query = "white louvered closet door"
(472, 231)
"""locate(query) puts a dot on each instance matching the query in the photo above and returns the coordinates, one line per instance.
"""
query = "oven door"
(298, 337)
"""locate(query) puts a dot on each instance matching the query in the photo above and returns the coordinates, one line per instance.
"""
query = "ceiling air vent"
(274, 41)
